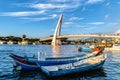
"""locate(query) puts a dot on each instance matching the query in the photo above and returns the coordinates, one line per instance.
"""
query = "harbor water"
(109, 71)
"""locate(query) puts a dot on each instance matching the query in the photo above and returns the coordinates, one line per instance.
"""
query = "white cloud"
(118, 31)
(54, 15)
(51, 6)
(96, 23)
(65, 1)
(57, 6)
(48, 6)
(75, 18)
(68, 23)
(58, 0)
(22, 13)
(36, 19)
(94, 1)
(40, 18)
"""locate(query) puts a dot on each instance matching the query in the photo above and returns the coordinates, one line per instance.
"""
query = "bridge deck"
(83, 35)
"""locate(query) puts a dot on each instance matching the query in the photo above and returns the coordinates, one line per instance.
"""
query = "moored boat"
(85, 49)
(115, 47)
(32, 64)
(28, 63)
(79, 66)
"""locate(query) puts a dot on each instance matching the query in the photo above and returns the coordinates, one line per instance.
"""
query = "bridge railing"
(84, 35)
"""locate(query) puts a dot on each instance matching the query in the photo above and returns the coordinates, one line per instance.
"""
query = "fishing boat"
(115, 47)
(85, 49)
(32, 64)
(79, 66)
(28, 63)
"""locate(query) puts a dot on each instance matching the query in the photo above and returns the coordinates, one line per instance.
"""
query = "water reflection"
(31, 75)
(56, 50)
(97, 74)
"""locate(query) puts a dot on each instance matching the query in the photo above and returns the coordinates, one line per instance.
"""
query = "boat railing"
(85, 62)
(92, 54)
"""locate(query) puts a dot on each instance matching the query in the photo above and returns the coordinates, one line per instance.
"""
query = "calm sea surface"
(109, 71)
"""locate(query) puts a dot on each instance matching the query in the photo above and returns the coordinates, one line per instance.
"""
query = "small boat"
(115, 47)
(25, 64)
(28, 63)
(84, 49)
(79, 66)
(105, 45)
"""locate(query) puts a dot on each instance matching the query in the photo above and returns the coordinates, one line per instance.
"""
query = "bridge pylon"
(57, 32)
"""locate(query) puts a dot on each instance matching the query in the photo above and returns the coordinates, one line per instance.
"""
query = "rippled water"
(109, 71)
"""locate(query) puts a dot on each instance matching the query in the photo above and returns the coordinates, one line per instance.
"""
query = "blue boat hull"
(79, 66)
(38, 67)
(49, 63)
(80, 69)
(27, 66)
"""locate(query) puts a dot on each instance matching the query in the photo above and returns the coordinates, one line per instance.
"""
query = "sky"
(38, 18)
